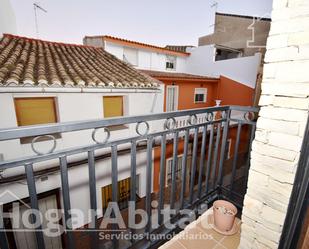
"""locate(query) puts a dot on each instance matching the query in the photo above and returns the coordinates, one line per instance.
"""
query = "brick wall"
(280, 127)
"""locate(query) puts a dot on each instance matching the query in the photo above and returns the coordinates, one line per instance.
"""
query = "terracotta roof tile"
(136, 44)
(33, 62)
(179, 48)
(174, 75)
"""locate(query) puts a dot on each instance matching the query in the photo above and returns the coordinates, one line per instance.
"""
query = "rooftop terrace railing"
(207, 130)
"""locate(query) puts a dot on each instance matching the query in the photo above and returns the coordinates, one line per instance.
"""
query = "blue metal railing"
(208, 136)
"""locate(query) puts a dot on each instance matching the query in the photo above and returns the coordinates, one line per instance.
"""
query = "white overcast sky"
(157, 22)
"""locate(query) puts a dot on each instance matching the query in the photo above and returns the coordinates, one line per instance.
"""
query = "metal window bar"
(148, 182)
(174, 165)
(223, 145)
(235, 159)
(202, 161)
(193, 166)
(114, 188)
(208, 169)
(162, 178)
(66, 201)
(34, 205)
(215, 157)
(184, 168)
(93, 198)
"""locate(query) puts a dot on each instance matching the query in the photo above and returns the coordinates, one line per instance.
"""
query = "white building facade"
(194, 60)
(22, 92)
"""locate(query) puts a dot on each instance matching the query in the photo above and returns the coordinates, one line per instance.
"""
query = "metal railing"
(207, 130)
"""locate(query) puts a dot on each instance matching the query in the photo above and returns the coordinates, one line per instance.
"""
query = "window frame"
(176, 97)
(124, 113)
(237, 53)
(27, 140)
(122, 202)
(113, 96)
(179, 171)
(168, 60)
(26, 98)
(196, 92)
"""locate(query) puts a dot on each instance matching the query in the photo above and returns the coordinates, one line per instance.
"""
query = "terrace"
(207, 172)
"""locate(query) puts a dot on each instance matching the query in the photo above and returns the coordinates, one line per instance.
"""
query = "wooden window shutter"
(32, 111)
(113, 106)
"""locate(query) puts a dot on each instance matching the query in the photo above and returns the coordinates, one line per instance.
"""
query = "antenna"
(36, 7)
(215, 6)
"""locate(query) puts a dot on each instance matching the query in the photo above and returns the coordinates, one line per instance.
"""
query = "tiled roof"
(136, 44)
(179, 48)
(242, 16)
(33, 62)
(174, 75)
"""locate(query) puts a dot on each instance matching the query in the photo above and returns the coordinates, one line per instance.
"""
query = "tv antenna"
(37, 7)
(215, 4)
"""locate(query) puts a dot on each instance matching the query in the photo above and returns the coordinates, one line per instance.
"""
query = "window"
(200, 95)
(170, 62)
(124, 193)
(171, 98)
(34, 111)
(178, 169)
(130, 55)
(226, 53)
(113, 106)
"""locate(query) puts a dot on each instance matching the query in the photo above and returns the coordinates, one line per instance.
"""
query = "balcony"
(208, 160)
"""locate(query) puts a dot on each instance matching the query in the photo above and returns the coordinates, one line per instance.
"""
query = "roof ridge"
(62, 65)
(46, 41)
(134, 42)
(156, 73)
(261, 18)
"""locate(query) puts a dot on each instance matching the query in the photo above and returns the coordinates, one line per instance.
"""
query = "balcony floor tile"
(214, 240)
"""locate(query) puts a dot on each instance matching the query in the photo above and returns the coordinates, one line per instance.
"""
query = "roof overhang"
(144, 46)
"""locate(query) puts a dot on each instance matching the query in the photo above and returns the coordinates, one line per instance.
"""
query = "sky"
(157, 22)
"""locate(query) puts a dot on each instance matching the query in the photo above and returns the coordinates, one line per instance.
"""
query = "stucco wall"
(234, 32)
(244, 69)
(147, 59)
(233, 93)
(73, 107)
(280, 127)
(186, 93)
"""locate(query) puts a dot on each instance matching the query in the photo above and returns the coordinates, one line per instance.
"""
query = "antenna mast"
(214, 5)
(36, 7)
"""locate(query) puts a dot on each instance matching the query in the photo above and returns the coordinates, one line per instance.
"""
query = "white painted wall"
(73, 107)
(7, 18)
(148, 59)
(244, 69)
(200, 62)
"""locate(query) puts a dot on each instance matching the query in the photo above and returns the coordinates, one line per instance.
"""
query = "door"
(124, 192)
(26, 239)
(171, 98)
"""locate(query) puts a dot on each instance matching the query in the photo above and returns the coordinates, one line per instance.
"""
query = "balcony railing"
(203, 137)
